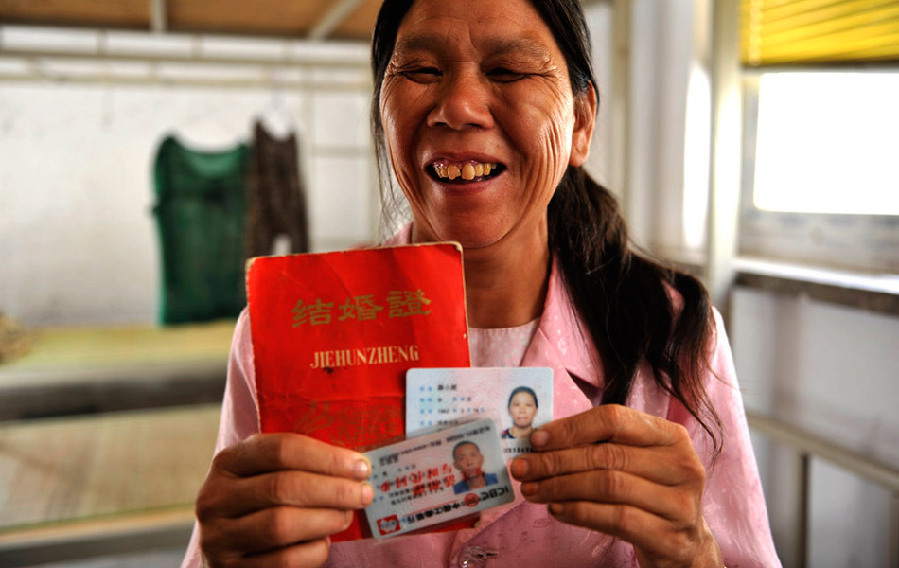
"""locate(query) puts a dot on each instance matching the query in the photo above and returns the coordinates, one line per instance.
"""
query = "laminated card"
(520, 399)
(335, 333)
(431, 479)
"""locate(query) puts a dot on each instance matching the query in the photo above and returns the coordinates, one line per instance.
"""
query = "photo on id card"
(436, 478)
(519, 398)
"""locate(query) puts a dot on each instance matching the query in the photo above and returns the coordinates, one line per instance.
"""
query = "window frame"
(866, 243)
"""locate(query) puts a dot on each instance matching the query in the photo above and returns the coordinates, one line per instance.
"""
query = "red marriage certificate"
(335, 333)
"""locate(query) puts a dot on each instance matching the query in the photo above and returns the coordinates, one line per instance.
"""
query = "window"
(827, 143)
(821, 133)
(820, 172)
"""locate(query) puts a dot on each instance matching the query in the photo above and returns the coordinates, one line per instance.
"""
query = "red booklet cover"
(334, 334)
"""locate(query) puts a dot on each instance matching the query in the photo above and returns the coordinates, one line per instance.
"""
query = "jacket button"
(475, 557)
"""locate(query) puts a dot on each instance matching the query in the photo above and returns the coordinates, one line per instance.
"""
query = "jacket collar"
(562, 338)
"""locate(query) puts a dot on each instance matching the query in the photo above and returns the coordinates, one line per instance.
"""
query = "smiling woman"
(483, 113)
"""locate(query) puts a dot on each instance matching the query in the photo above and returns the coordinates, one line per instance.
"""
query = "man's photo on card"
(438, 477)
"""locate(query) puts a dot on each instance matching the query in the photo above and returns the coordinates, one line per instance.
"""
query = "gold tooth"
(453, 172)
(479, 170)
(468, 172)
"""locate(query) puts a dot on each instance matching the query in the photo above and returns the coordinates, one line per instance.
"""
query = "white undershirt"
(500, 346)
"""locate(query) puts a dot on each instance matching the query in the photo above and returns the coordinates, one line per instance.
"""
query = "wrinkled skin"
(273, 500)
(481, 77)
(627, 474)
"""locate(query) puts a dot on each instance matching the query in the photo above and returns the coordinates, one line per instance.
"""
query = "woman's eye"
(504, 75)
(421, 73)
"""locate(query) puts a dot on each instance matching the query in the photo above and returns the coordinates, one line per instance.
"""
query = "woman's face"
(522, 409)
(473, 87)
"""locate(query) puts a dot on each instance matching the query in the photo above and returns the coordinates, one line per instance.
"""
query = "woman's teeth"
(467, 170)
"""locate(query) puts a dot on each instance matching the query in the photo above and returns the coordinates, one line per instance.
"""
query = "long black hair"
(626, 299)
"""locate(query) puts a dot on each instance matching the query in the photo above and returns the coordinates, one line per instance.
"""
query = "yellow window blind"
(819, 31)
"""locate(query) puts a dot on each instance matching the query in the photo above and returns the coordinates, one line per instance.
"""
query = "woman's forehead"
(440, 44)
(490, 28)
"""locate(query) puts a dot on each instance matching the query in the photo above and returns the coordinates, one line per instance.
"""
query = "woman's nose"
(462, 103)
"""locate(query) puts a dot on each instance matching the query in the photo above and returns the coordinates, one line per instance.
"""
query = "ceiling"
(313, 19)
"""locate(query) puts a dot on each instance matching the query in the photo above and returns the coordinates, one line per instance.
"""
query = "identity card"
(436, 478)
(519, 398)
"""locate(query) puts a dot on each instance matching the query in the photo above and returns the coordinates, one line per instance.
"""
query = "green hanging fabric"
(200, 211)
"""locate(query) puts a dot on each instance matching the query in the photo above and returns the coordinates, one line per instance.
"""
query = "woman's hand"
(627, 474)
(273, 499)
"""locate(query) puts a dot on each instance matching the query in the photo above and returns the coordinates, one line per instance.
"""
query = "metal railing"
(810, 446)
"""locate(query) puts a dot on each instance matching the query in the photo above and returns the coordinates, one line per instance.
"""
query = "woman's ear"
(584, 122)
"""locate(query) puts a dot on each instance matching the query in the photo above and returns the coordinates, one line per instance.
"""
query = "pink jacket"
(523, 535)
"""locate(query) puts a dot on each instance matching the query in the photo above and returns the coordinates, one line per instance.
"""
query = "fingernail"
(555, 508)
(361, 468)
(349, 519)
(539, 438)
(368, 494)
(519, 467)
(528, 488)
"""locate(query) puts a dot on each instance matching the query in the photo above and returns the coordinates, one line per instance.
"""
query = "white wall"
(76, 234)
(664, 50)
(599, 20)
(830, 370)
(665, 39)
